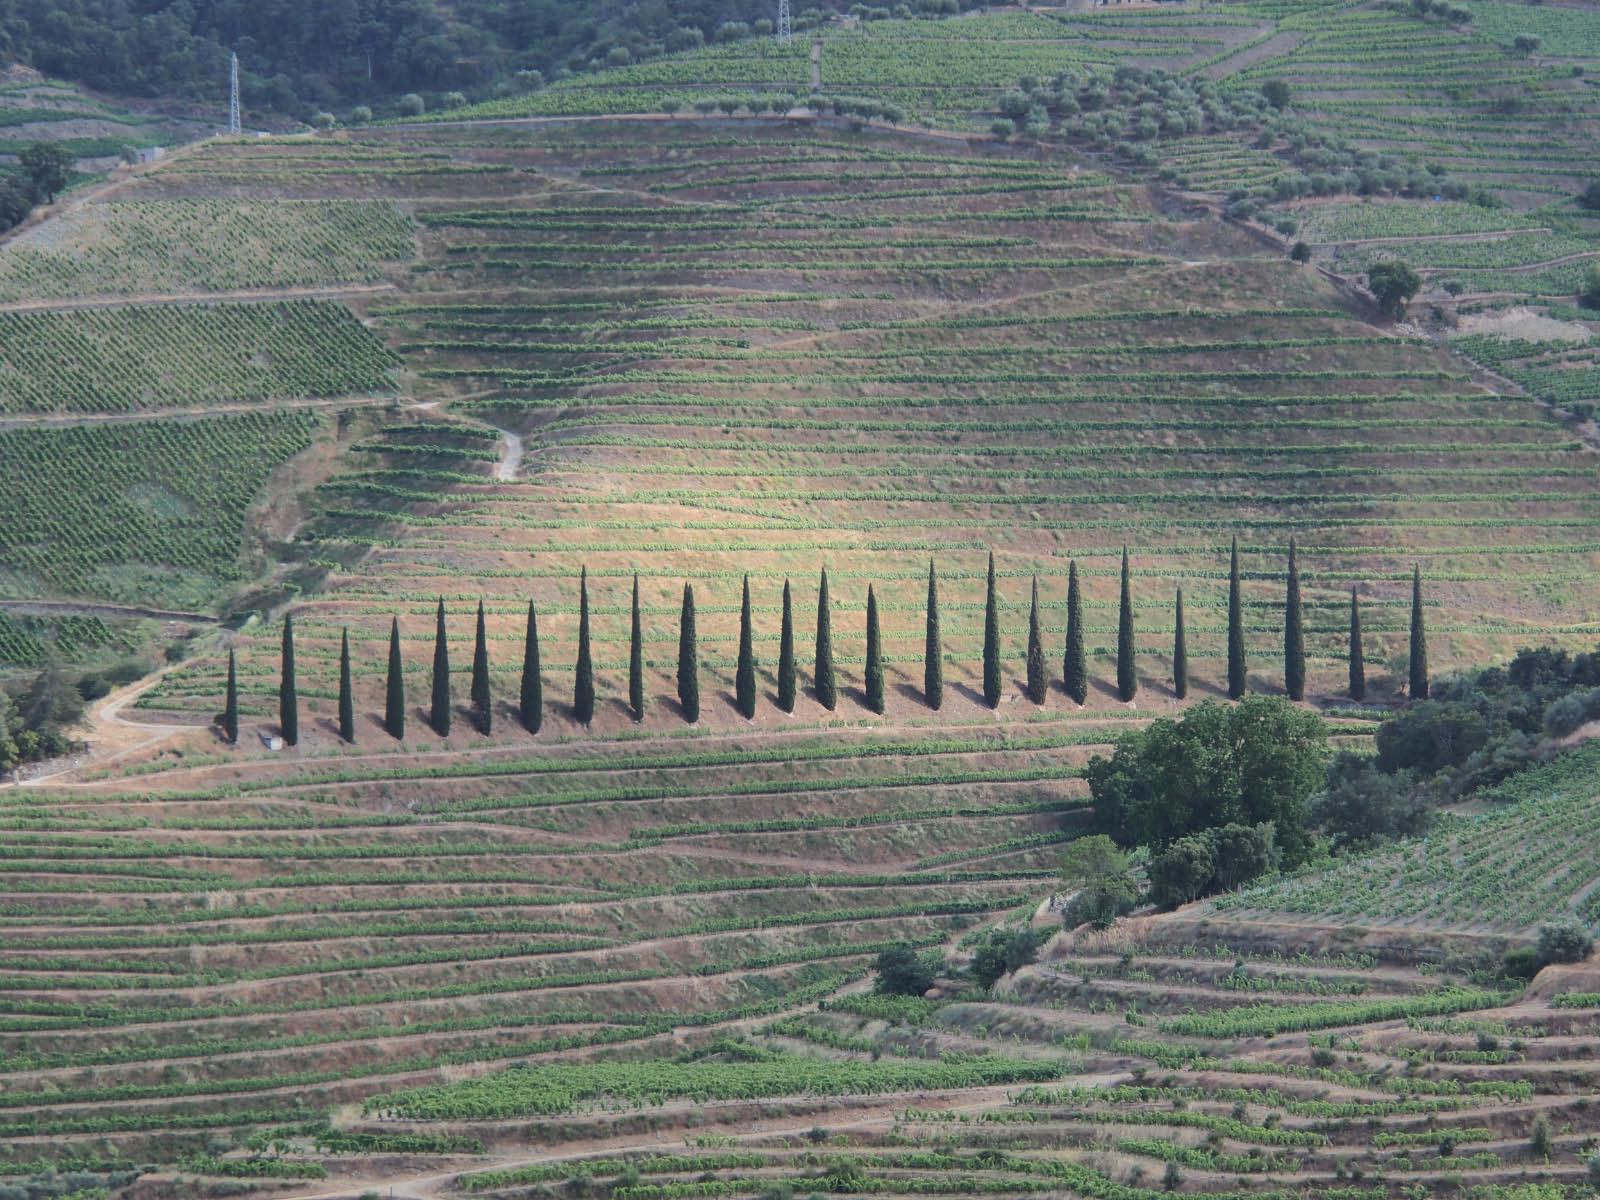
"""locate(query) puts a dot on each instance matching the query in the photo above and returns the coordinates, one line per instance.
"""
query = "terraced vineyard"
(716, 371)
(573, 364)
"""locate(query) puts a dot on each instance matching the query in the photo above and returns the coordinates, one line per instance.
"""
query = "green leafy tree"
(1276, 92)
(531, 704)
(1099, 875)
(1393, 284)
(874, 655)
(1294, 637)
(1180, 652)
(1589, 297)
(439, 714)
(47, 166)
(1038, 681)
(991, 641)
(1074, 665)
(744, 686)
(394, 703)
(688, 660)
(1182, 872)
(482, 700)
(933, 648)
(786, 668)
(1419, 640)
(1003, 951)
(1358, 662)
(347, 709)
(827, 687)
(1127, 667)
(902, 971)
(1237, 679)
(230, 704)
(583, 682)
(636, 658)
(288, 693)
(1256, 761)
(1360, 803)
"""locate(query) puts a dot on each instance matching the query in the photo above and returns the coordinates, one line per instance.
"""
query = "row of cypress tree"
(1074, 677)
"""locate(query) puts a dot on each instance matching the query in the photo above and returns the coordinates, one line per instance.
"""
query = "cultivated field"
(628, 957)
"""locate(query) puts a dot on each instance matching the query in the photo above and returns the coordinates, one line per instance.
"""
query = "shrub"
(1520, 962)
(412, 105)
(1002, 127)
(1589, 198)
(903, 972)
(1276, 92)
(1098, 872)
(1590, 296)
(360, 115)
(1301, 253)
(1003, 951)
(1571, 711)
(1564, 942)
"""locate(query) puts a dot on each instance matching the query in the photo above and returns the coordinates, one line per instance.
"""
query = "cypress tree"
(482, 701)
(1038, 684)
(636, 658)
(288, 694)
(347, 706)
(1074, 666)
(394, 704)
(874, 655)
(1294, 637)
(933, 648)
(1180, 652)
(1127, 669)
(827, 689)
(786, 676)
(1419, 640)
(439, 716)
(230, 705)
(991, 642)
(688, 666)
(531, 706)
(1236, 667)
(583, 684)
(1358, 663)
(744, 680)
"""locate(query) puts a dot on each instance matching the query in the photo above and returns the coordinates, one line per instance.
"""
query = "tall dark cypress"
(1038, 681)
(1358, 661)
(1127, 668)
(636, 658)
(439, 714)
(1075, 665)
(786, 672)
(874, 655)
(1419, 640)
(688, 660)
(827, 687)
(1236, 668)
(1294, 636)
(482, 700)
(1180, 652)
(933, 648)
(288, 694)
(583, 682)
(744, 680)
(347, 704)
(394, 702)
(230, 704)
(991, 641)
(531, 704)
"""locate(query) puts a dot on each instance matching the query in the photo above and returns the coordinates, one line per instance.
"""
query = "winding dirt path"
(112, 736)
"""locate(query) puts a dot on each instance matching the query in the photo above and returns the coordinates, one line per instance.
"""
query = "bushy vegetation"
(1247, 764)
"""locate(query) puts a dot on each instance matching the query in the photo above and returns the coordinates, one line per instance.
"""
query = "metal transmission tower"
(233, 95)
(785, 30)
